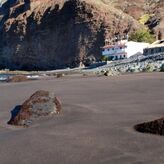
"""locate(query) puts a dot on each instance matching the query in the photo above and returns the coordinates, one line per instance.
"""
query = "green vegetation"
(104, 58)
(148, 68)
(142, 35)
(143, 19)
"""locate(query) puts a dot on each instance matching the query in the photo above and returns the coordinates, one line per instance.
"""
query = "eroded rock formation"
(41, 103)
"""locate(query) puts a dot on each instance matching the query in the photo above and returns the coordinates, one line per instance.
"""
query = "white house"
(123, 49)
(115, 51)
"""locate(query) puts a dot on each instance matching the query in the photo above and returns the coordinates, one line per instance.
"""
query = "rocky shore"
(135, 64)
(132, 65)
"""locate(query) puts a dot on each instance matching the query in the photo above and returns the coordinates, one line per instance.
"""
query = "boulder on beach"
(41, 103)
(153, 127)
(18, 78)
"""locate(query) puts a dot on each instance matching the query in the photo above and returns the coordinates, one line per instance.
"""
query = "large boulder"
(41, 103)
(154, 127)
(17, 78)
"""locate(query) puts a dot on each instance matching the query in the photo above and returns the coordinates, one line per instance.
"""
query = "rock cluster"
(41, 103)
(135, 64)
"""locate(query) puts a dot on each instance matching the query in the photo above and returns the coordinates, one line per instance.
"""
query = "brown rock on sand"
(18, 78)
(154, 127)
(41, 103)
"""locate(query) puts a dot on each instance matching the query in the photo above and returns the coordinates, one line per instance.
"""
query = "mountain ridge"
(41, 35)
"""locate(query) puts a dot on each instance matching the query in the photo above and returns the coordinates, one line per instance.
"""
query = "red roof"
(114, 46)
(108, 46)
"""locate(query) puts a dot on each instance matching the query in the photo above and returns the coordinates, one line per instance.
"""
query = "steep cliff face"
(48, 34)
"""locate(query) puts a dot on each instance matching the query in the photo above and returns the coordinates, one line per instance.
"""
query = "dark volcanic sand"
(96, 126)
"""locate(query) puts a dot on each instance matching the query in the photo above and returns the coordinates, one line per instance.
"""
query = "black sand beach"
(95, 127)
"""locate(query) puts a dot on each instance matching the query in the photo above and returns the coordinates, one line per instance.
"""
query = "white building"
(115, 51)
(134, 48)
(155, 48)
(123, 49)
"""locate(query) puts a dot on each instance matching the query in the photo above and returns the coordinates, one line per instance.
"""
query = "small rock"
(111, 73)
(59, 75)
(41, 103)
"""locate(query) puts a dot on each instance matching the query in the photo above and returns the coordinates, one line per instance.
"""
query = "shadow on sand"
(14, 113)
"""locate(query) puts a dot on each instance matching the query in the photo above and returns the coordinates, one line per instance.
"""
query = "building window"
(162, 49)
(145, 51)
(152, 51)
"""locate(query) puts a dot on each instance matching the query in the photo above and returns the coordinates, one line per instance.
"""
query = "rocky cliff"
(138, 8)
(50, 34)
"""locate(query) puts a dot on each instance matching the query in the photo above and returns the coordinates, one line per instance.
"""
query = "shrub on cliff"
(148, 68)
(142, 35)
(104, 58)
(145, 18)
